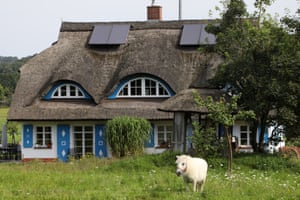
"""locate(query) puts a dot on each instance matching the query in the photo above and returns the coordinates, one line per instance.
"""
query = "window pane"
(136, 87)
(150, 87)
(160, 138)
(79, 93)
(63, 91)
(162, 90)
(124, 91)
(243, 128)
(48, 129)
(88, 143)
(72, 91)
(169, 136)
(39, 129)
(88, 128)
(48, 139)
(56, 93)
(39, 138)
(78, 143)
(77, 129)
(169, 128)
(244, 138)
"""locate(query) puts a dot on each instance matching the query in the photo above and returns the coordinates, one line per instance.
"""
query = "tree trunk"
(254, 128)
(262, 133)
(228, 136)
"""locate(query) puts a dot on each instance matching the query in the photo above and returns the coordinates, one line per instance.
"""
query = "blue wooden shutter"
(28, 136)
(63, 142)
(100, 143)
(266, 134)
(150, 142)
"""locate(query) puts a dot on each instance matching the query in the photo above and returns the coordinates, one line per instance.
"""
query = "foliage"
(293, 142)
(9, 75)
(126, 135)
(261, 62)
(224, 112)
(12, 127)
(13, 130)
(148, 177)
(205, 141)
(292, 24)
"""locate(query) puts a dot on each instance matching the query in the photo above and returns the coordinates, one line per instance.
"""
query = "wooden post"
(179, 131)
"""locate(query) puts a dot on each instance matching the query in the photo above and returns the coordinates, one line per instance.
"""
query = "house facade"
(100, 70)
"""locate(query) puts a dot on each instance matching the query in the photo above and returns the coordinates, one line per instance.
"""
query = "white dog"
(193, 170)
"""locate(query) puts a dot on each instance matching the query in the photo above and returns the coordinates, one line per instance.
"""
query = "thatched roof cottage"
(98, 71)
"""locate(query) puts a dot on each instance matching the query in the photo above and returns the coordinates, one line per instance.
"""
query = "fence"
(10, 152)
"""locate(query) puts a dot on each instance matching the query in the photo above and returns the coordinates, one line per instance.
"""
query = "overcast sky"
(30, 26)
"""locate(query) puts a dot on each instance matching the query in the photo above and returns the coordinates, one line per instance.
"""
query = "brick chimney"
(154, 12)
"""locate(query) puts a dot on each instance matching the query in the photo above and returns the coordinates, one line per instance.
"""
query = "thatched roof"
(151, 48)
(184, 100)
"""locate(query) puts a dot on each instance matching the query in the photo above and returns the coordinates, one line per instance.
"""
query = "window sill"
(162, 147)
(42, 147)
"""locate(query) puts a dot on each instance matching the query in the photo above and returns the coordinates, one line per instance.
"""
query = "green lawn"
(149, 177)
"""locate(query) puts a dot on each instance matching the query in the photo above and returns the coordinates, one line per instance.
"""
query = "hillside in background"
(9, 75)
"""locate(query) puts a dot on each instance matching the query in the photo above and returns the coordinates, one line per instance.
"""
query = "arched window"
(142, 87)
(66, 90)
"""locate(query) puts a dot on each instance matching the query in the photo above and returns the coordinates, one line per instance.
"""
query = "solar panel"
(109, 34)
(190, 34)
(195, 34)
(118, 34)
(205, 37)
(100, 34)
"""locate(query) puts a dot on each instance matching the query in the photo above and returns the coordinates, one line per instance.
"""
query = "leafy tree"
(2, 93)
(292, 127)
(126, 135)
(9, 75)
(224, 112)
(261, 62)
(12, 130)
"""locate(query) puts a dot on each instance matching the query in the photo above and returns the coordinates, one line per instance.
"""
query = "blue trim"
(129, 78)
(49, 94)
(150, 142)
(27, 136)
(63, 142)
(100, 143)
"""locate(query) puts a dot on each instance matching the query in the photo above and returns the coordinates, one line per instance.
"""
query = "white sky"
(30, 26)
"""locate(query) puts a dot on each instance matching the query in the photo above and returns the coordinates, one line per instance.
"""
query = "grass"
(149, 177)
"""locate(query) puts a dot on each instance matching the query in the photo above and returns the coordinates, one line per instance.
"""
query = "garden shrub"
(206, 142)
(126, 135)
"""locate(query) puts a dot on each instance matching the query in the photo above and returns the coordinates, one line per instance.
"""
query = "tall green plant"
(205, 141)
(225, 113)
(126, 135)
